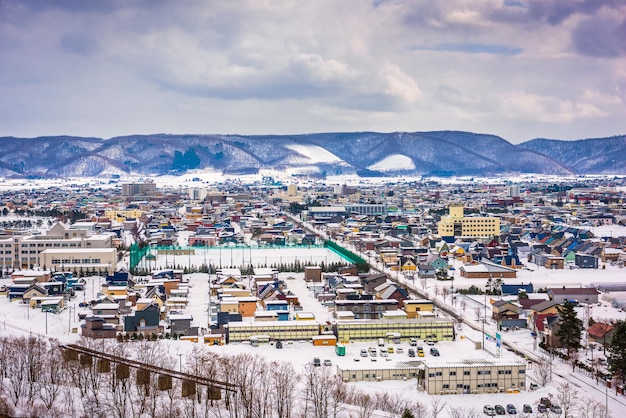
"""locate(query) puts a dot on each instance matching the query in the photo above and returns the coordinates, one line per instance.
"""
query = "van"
(413, 342)
(381, 342)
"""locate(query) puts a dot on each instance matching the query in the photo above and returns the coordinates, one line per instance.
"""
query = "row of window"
(479, 372)
(72, 261)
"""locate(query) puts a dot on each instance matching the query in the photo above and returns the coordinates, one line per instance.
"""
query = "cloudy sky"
(519, 69)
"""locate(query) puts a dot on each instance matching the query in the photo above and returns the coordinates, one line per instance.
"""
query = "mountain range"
(320, 154)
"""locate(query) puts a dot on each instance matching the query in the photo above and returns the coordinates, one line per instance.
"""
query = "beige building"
(473, 376)
(101, 260)
(22, 251)
(442, 378)
(456, 224)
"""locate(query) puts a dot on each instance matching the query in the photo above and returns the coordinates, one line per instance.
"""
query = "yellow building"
(121, 215)
(413, 307)
(456, 224)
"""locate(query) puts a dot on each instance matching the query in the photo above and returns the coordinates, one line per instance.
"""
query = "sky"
(520, 69)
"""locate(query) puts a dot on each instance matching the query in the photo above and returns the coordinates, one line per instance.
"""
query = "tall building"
(456, 224)
(139, 188)
(512, 190)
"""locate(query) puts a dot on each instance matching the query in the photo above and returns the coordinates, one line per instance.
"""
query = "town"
(456, 290)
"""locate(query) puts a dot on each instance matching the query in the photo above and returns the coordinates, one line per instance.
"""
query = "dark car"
(434, 352)
(279, 344)
(542, 408)
(500, 410)
(555, 409)
(510, 409)
(411, 352)
(527, 409)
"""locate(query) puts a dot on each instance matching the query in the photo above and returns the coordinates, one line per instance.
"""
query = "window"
(466, 373)
(504, 372)
(522, 371)
(446, 386)
(453, 373)
(483, 372)
(438, 374)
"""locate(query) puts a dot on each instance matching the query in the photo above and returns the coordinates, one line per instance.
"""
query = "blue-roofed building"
(514, 289)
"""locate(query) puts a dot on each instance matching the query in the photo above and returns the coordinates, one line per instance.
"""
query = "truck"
(340, 349)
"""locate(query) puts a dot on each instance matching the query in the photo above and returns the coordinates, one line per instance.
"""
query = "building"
(142, 188)
(360, 330)
(473, 376)
(487, 270)
(278, 330)
(578, 294)
(23, 251)
(94, 327)
(455, 224)
(87, 260)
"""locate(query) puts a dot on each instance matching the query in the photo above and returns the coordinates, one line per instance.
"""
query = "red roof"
(600, 329)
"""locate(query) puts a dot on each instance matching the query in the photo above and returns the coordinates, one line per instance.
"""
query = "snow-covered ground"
(17, 318)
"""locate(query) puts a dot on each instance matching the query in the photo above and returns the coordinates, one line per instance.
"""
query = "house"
(313, 273)
(551, 326)
(94, 327)
(144, 321)
(366, 308)
(487, 270)
(504, 309)
(181, 324)
(601, 333)
(370, 282)
(391, 291)
(586, 261)
(425, 271)
(578, 294)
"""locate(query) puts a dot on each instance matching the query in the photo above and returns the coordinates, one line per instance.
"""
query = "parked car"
(541, 408)
(430, 342)
(317, 362)
(413, 342)
(390, 349)
(420, 352)
(555, 409)
(499, 410)
(328, 362)
(411, 352)
(434, 352)
(510, 409)
(488, 410)
(363, 353)
(279, 344)
(527, 409)
(383, 353)
(399, 350)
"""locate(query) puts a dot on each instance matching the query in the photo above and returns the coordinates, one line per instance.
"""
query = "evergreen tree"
(570, 328)
(617, 351)
(407, 414)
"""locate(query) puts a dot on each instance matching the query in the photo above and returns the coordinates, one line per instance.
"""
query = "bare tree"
(437, 404)
(462, 304)
(284, 378)
(590, 408)
(542, 372)
(567, 397)
(463, 412)
(477, 311)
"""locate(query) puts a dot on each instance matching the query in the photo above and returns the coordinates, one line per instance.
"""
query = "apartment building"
(456, 224)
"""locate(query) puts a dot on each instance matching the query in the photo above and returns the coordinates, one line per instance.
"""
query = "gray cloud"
(277, 66)
(602, 36)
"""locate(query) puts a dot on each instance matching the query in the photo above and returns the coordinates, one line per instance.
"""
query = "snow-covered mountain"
(365, 153)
